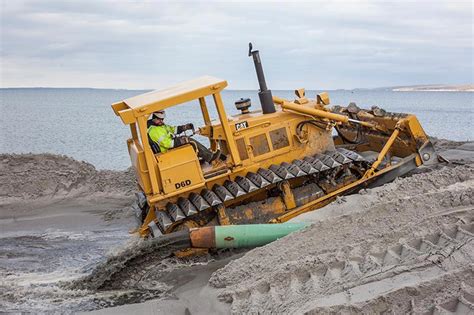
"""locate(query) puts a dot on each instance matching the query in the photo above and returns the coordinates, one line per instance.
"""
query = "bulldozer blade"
(281, 171)
(222, 193)
(246, 184)
(211, 197)
(186, 206)
(234, 189)
(199, 202)
(269, 175)
(257, 179)
(305, 167)
(174, 212)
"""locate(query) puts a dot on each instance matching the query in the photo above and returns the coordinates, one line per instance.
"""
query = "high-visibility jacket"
(163, 136)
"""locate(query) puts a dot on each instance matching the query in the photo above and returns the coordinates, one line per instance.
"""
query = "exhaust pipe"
(265, 95)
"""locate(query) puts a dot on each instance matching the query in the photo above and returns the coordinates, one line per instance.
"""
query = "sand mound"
(32, 176)
(406, 234)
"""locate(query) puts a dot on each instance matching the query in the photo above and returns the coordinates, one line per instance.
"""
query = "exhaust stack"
(264, 94)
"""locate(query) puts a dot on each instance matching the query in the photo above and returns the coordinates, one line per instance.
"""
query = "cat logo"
(241, 125)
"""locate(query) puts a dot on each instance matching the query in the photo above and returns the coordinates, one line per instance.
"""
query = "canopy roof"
(150, 102)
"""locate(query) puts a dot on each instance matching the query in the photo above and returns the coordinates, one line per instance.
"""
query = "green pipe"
(239, 236)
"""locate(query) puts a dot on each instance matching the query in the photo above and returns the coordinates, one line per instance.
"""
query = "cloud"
(145, 44)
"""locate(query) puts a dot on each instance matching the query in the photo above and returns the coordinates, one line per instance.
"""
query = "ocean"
(80, 122)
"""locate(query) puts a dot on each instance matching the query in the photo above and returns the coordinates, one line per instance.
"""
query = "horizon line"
(323, 89)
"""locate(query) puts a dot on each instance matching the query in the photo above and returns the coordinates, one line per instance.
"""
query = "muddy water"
(89, 261)
(34, 264)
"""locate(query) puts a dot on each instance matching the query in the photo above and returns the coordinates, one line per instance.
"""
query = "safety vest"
(162, 135)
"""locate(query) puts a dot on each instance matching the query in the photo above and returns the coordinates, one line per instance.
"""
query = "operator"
(166, 137)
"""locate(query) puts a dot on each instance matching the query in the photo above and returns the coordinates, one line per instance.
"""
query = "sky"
(316, 45)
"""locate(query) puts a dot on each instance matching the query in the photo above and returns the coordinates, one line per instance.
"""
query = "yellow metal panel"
(179, 169)
(226, 128)
(177, 94)
(205, 112)
(127, 116)
(118, 107)
(415, 129)
(149, 158)
(137, 157)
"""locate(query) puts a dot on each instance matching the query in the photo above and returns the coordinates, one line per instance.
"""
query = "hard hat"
(159, 114)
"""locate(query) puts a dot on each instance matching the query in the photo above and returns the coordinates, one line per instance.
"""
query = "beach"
(65, 247)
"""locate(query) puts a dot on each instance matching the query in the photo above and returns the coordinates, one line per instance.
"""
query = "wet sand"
(62, 221)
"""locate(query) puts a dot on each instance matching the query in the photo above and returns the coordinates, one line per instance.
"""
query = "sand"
(372, 246)
(404, 247)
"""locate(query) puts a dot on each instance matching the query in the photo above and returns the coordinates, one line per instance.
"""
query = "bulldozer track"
(319, 166)
(337, 277)
(452, 293)
(464, 304)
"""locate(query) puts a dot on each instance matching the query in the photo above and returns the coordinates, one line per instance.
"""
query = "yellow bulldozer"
(290, 157)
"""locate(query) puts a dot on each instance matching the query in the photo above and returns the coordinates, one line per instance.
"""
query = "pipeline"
(240, 236)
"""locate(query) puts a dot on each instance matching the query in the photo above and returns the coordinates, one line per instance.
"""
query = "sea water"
(80, 122)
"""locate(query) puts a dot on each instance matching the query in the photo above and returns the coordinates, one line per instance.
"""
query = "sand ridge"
(26, 177)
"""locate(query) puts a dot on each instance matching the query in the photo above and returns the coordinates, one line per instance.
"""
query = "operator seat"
(154, 146)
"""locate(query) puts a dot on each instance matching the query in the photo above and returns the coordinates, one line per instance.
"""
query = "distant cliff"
(436, 88)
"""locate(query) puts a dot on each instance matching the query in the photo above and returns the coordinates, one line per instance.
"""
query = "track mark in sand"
(450, 293)
(464, 304)
(314, 278)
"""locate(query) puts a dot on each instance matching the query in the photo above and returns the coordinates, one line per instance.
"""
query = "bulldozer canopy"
(147, 103)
